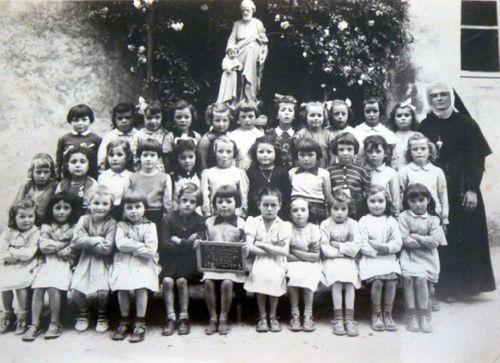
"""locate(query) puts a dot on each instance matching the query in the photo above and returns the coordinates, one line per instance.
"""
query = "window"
(479, 36)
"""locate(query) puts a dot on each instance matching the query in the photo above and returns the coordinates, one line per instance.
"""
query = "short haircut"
(191, 188)
(227, 191)
(269, 191)
(24, 203)
(129, 165)
(149, 144)
(75, 204)
(219, 108)
(179, 147)
(304, 110)
(181, 105)
(417, 136)
(134, 195)
(41, 160)
(226, 140)
(122, 107)
(345, 138)
(350, 114)
(392, 117)
(389, 207)
(246, 106)
(418, 190)
(71, 151)
(307, 145)
(378, 100)
(372, 142)
(80, 111)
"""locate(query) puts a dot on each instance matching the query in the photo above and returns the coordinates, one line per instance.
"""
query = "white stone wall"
(435, 52)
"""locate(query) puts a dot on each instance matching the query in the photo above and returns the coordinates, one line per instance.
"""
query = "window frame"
(480, 74)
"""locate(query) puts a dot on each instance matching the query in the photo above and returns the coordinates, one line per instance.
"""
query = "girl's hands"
(176, 240)
(412, 243)
(470, 201)
(197, 243)
(314, 247)
(428, 244)
(335, 244)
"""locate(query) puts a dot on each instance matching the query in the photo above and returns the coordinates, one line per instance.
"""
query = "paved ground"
(464, 332)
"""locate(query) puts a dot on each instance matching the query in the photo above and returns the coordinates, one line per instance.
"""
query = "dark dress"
(465, 262)
(277, 179)
(179, 260)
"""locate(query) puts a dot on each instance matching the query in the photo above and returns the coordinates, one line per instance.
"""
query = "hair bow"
(348, 102)
(328, 105)
(407, 103)
(142, 106)
(284, 99)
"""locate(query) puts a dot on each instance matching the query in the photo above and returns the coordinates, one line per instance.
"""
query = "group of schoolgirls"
(326, 203)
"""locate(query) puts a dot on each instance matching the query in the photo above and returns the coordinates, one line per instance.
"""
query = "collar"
(81, 133)
(123, 174)
(132, 132)
(379, 127)
(312, 171)
(415, 167)
(149, 132)
(156, 171)
(184, 174)
(232, 221)
(378, 168)
(26, 234)
(418, 216)
(279, 131)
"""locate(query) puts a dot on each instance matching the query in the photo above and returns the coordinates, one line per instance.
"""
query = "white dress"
(382, 229)
(130, 271)
(55, 272)
(268, 272)
(421, 262)
(304, 274)
(343, 266)
(92, 270)
(23, 247)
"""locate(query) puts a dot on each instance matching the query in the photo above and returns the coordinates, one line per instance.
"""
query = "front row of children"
(124, 257)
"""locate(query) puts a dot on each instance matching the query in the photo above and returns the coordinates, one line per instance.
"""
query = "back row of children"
(149, 201)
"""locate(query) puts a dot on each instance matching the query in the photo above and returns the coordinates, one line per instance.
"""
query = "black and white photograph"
(248, 180)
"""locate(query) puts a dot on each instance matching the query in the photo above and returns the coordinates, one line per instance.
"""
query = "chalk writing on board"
(221, 256)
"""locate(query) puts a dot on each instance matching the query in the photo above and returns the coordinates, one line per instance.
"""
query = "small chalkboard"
(221, 256)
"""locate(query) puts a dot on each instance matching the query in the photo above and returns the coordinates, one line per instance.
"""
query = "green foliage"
(341, 48)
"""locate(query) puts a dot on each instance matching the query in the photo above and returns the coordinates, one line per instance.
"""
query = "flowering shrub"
(342, 48)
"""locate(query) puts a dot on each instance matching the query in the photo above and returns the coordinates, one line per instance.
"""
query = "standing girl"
(153, 127)
(379, 264)
(18, 263)
(76, 181)
(311, 182)
(283, 134)
(373, 108)
(179, 230)
(378, 156)
(123, 128)
(225, 173)
(403, 121)
(55, 273)
(119, 165)
(266, 171)
(340, 244)
(186, 168)
(225, 226)
(422, 234)
(135, 264)
(421, 154)
(340, 115)
(351, 178)
(153, 183)
(94, 238)
(245, 135)
(40, 186)
(314, 117)
(303, 266)
(269, 239)
(219, 117)
(183, 115)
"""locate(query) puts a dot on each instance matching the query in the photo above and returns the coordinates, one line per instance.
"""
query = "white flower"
(371, 22)
(131, 47)
(105, 10)
(362, 77)
(323, 85)
(378, 12)
(327, 32)
(149, 2)
(204, 7)
(141, 49)
(284, 25)
(304, 54)
(137, 4)
(277, 17)
(360, 82)
(327, 70)
(346, 68)
(177, 26)
(132, 69)
(348, 102)
(142, 59)
(343, 25)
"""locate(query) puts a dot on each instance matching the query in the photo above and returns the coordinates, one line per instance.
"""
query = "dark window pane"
(480, 50)
(479, 13)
